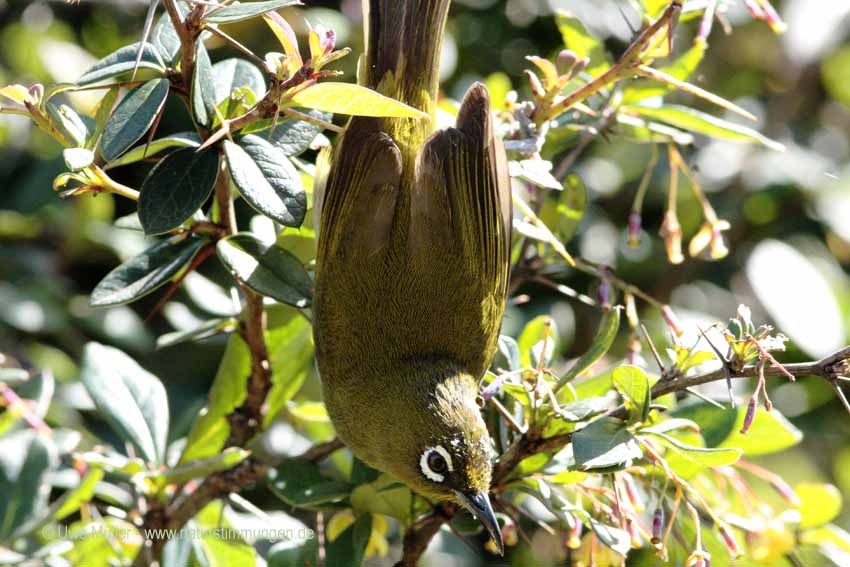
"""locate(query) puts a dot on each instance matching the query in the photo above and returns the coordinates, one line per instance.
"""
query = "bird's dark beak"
(479, 506)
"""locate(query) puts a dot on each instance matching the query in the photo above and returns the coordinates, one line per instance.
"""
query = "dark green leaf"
(144, 273)
(142, 151)
(131, 399)
(349, 547)
(232, 74)
(294, 136)
(237, 12)
(25, 458)
(267, 269)
(176, 188)
(164, 37)
(203, 88)
(267, 180)
(605, 445)
(300, 483)
(122, 61)
(132, 117)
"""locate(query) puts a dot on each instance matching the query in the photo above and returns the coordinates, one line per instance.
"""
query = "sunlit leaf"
(703, 123)
(769, 433)
(243, 11)
(821, 503)
(267, 269)
(355, 100)
(142, 151)
(128, 397)
(578, 39)
(682, 68)
(633, 385)
(605, 445)
(122, 61)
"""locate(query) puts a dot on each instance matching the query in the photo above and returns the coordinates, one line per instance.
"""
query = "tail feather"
(403, 42)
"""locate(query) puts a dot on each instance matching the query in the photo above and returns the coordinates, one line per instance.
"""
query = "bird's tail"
(403, 42)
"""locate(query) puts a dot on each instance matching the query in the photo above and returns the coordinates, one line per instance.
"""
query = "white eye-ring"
(434, 462)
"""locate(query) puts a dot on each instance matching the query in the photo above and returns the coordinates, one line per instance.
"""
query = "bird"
(412, 269)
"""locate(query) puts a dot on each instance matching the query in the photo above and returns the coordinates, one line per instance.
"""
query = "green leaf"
(71, 501)
(200, 468)
(682, 68)
(577, 38)
(769, 433)
(237, 12)
(205, 330)
(301, 484)
(211, 549)
(267, 269)
(384, 495)
(355, 100)
(633, 385)
(290, 345)
(535, 171)
(294, 136)
(602, 341)
(715, 424)
(164, 37)
(210, 430)
(203, 87)
(144, 273)
(122, 61)
(563, 215)
(232, 74)
(26, 458)
(605, 445)
(267, 180)
(614, 538)
(821, 503)
(77, 159)
(176, 188)
(133, 116)
(532, 334)
(349, 547)
(131, 399)
(703, 123)
(179, 140)
(510, 350)
(695, 457)
(73, 126)
(107, 542)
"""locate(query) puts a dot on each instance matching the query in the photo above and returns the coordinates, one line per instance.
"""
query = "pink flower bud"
(657, 526)
(672, 321)
(566, 60)
(750, 415)
(634, 229)
(729, 540)
(785, 491)
(327, 39)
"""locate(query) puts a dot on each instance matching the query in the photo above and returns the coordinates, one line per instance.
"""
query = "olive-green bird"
(412, 271)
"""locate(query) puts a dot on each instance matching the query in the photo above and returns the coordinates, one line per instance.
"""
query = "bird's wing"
(358, 196)
(461, 205)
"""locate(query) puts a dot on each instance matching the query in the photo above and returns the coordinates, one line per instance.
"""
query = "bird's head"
(441, 447)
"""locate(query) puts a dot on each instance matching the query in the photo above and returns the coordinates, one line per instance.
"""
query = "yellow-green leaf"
(355, 100)
(577, 38)
(820, 503)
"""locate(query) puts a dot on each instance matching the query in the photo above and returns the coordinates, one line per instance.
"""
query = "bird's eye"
(435, 462)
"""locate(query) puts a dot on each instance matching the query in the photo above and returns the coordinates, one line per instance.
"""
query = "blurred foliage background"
(790, 212)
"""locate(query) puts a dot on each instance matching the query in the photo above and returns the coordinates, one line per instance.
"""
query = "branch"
(833, 368)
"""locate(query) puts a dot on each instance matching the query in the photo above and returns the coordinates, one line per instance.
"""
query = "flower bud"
(581, 65)
(785, 491)
(327, 39)
(657, 526)
(750, 415)
(671, 231)
(729, 540)
(672, 321)
(634, 229)
(566, 60)
(574, 535)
